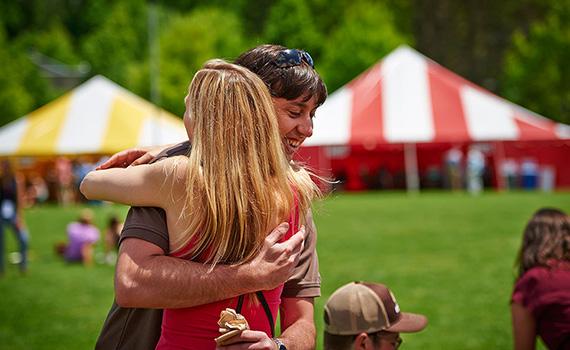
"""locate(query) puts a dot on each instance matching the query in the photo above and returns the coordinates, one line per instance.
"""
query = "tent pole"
(411, 162)
(499, 159)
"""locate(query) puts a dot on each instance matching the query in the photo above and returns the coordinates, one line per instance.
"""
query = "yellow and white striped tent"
(98, 117)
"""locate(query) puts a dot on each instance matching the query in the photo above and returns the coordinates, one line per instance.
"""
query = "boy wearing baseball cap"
(366, 316)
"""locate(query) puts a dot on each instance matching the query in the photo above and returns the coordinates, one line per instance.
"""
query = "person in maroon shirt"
(540, 304)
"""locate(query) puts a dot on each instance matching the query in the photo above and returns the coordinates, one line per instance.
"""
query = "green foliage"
(363, 37)
(15, 101)
(20, 81)
(471, 37)
(34, 26)
(537, 74)
(30, 15)
(185, 44)
(290, 23)
(121, 39)
(54, 42)
(253, 13)
(345, 37)
(84, 17)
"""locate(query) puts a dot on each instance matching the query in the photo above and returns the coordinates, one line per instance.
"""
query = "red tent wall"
(383, 166)
(546, 153)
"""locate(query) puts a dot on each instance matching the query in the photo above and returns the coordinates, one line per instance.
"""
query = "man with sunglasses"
(366, 316)
(148, 280)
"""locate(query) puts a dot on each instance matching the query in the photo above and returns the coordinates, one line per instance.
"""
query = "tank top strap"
(293, 219)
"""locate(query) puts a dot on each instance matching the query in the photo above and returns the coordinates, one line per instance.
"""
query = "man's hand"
(146, 278)
(133, 156)
(250, 340)
(276, 261)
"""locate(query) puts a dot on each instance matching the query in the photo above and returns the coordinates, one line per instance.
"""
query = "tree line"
(517, 49)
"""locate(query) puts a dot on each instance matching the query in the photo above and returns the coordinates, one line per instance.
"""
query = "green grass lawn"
(447, 255)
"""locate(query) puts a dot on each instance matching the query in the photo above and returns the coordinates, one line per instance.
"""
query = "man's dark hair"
(345, 342)
(337, 342)
(289, 83)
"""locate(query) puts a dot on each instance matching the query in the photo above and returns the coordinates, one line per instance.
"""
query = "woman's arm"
(148, 185)
(524, 328)
(133, 156)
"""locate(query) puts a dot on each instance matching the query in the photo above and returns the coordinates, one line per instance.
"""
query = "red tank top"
(195, 328)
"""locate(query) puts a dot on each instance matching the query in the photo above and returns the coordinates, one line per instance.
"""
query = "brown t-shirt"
(133, 328)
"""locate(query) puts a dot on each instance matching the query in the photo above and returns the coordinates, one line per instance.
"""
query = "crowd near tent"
(403, 114)
(98, 117)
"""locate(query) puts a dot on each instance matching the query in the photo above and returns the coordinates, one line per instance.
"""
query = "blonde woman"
(221, 200)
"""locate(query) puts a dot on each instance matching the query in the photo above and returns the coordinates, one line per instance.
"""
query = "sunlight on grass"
(449, 256)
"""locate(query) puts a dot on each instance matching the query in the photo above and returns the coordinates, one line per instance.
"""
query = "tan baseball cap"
(368, 307)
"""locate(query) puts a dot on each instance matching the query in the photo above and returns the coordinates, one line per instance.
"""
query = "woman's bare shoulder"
(174, 166)
(174, 173)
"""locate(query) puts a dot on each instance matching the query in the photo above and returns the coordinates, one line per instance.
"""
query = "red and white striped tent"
(409, 99)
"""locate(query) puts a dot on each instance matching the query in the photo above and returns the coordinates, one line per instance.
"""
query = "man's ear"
(360, 342)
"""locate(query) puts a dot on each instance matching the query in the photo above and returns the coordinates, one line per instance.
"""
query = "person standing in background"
(475, 168)
(11, 214)
(453, 159)
(65, 195)
(112, 234)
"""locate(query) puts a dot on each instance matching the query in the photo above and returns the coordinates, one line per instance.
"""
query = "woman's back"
(545, 292)
(540, 304)
(196, 327)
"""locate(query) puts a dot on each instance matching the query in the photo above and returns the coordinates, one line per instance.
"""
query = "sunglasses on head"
(293, 57)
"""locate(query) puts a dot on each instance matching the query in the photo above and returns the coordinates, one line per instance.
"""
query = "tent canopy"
(98, 117)
(408, 98)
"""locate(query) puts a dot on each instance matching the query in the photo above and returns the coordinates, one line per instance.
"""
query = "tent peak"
(100, 80)
(407, 54)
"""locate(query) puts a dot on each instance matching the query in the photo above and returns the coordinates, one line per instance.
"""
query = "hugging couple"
(222, 220)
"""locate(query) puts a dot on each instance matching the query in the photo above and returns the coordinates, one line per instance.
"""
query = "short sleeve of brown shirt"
(306, 281)
(149, 224)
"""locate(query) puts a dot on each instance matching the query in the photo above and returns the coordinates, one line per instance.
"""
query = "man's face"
(295, 119)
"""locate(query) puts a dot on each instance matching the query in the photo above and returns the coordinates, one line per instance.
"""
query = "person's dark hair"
(546, 238)
(6, 173)
(337, 342)
(290, 82)
(345, 342)
(113, 221)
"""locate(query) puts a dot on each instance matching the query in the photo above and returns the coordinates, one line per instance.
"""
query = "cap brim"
(409, 323)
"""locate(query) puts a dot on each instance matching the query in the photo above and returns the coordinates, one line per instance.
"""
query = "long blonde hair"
(240, 183)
